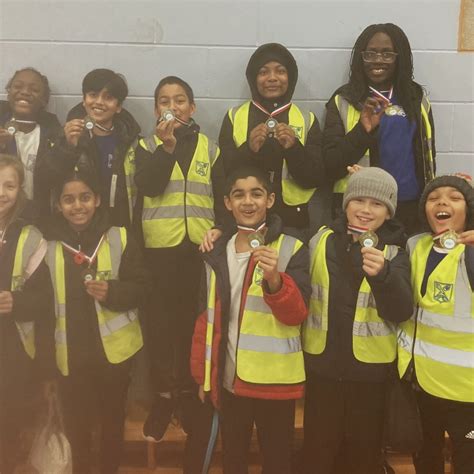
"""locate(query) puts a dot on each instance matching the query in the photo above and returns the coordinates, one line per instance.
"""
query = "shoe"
(158, 419)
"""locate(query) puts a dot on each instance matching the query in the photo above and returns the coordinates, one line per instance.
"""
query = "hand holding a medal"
(98, 289)
(73, 131)
(466, 238)
(285, 135)
(257, 137)
(165, 132)
(5, 137)
(267, 259)
(6, 302)
(373, 260)
(372, 111)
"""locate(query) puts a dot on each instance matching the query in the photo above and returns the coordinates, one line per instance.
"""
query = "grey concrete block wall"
(208, 43)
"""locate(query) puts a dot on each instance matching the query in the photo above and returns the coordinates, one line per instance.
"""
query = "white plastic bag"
(51, 451)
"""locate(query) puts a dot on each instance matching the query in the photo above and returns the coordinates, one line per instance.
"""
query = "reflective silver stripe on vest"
(286, 252)
(270, 344)
(317, 292)
(438, 353)
(115, 245)
(176, 212)
(212, 150)
(371, 329)
(366, 300)
(447, 323)
(315, 321)
(115, 324)
(150, 144)
(257, 304)
(177, 186)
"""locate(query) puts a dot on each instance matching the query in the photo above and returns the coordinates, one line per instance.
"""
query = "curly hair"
(43, 78)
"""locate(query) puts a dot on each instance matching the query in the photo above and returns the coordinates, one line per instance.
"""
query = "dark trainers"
(158, 419)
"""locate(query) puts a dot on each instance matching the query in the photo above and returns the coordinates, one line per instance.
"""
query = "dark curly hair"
(43, 78)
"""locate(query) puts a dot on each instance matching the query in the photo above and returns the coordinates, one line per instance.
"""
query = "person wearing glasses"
(383, 118)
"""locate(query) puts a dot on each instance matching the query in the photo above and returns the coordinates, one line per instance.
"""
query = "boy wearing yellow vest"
(26, 315)
(246, 354)
(181, 179)
(99, 281)
(436, 346)
(360, 281)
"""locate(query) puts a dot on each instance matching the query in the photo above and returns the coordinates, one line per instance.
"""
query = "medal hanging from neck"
(391, 109)
(12, 125)
(104, 129)
(80, 258)
(446, 239)
(255, 237)
(271, 122)
(365, 237)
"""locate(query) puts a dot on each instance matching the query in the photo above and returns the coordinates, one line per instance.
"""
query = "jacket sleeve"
(305, 163)
(392, 289)
(290, 304)
(132, 288)
(153, 170)
(341, 150)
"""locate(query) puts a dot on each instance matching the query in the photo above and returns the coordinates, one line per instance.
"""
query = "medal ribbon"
(251, 229)
(29, 122)
(379, 94)
(80, 257)
(353, 229)
(276, 112)
(104, 129)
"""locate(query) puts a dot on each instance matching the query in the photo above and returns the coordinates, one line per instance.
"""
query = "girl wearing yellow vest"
(26, 317)
(383, 118)
(360, 282)
(99, 280)
(181, 178)
(436, 346)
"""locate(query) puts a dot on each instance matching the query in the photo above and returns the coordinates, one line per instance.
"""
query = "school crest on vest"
(18, 282)
(202, 168)
(442, 292)
(104, 275)
(298, 131)
(258, 276)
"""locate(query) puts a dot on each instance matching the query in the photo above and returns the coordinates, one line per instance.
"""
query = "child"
(246, 353)
(99, 280)
(181, 177)
(361, 290)
(381, 117)
(25, 313)
(31, 132)
(436, 346)
(276, 135)
(101, 134)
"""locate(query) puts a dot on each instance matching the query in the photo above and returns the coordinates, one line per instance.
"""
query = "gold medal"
(368, 239)
(167, 115)
(11, 127)
(393, 110)
(89, 123)
(448, 240)
(256, 239)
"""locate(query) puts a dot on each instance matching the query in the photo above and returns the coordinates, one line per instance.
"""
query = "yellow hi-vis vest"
(350, 117)
(300, 121)
(28, 242)
(373, 339)
(120, 331)
(440, 334)
(268, 351)
(187, 203)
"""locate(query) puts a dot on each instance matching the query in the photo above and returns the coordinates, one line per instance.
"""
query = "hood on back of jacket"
(126, 126)
(265, 54)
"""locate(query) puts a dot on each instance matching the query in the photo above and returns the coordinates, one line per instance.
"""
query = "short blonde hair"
(11, 161)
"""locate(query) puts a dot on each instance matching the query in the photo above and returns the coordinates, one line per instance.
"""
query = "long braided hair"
(405, 88)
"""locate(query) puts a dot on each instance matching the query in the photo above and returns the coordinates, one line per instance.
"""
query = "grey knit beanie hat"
(372, 183)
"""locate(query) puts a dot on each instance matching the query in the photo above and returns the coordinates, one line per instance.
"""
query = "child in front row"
(99, 280)
(246, 355)
(436, 346)
(361, 289)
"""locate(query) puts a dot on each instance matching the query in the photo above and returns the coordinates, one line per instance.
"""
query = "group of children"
(199, 254)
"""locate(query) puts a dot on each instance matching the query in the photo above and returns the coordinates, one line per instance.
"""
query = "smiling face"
(367, 212)
(26, 95)
(272, 80)
(77, 204)
(173, 97)
(249, 201)
(9, 190)
(380, 74)
(101, 106)
(445, 209)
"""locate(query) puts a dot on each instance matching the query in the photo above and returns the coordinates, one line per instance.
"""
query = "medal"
(271, 124)
(88, 274)
(394, 110)
(368, 239)
(256, 239)
(167, 115)
(89, 123)
(447, 239)
(11, 127)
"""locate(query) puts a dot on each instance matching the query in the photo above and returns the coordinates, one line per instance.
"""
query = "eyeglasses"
(373, 56)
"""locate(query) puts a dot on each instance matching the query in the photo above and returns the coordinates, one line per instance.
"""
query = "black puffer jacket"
(129, 291)
(50, 130)
(62, 159)
(305, 163)
(391, 289)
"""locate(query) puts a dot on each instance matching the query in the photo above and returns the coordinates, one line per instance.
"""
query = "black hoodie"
(129, 291)
(305, 163)
(62, 158)
(391, 289)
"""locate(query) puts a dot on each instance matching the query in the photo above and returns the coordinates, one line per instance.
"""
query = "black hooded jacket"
(62, 158)
(391, 289)
(305, 163)
(50, 130)
(130, 291)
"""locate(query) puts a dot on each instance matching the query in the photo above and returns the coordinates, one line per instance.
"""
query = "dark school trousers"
(171, 315)
(95, 396)
(274, 420)
(343, 425)
(437, 416)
